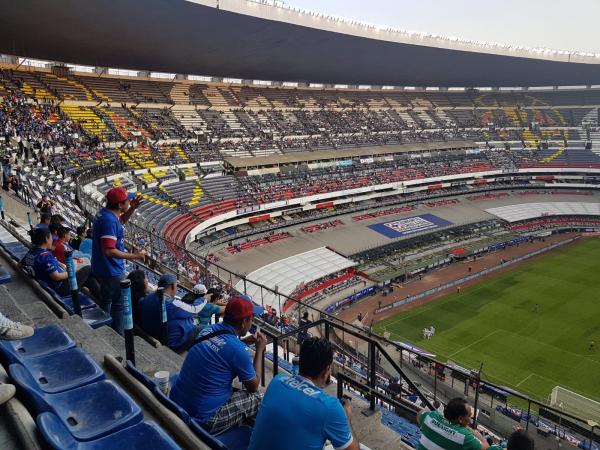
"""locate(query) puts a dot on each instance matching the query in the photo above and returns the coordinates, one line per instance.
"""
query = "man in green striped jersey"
(450, 431)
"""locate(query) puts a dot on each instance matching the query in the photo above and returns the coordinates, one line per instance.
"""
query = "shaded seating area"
(76, 408)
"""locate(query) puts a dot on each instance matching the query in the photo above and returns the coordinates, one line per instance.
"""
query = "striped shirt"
(437, 433)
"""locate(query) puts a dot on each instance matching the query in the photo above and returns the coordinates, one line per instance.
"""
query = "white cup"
(162, 379)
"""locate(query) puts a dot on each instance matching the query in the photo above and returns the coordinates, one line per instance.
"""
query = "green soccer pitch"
(495, 322)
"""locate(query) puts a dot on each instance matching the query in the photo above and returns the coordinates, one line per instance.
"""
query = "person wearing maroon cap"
(203, 387)
(108, 250)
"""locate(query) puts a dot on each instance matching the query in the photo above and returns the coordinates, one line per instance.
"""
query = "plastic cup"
(162, 380)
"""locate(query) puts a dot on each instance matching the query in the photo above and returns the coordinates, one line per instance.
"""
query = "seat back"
(171, 405)
(55, 433)
(45, 340)
(237, 438)
(62, 371)
(141, 376)
(35, 398)
(213, 442)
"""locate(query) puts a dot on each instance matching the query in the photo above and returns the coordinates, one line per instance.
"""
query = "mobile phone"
(253, 329)
(345, 399)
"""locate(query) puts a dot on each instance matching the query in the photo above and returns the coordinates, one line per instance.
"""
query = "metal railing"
(332, 327)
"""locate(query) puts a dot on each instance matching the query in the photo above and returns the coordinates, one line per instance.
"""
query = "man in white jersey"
(450, 431)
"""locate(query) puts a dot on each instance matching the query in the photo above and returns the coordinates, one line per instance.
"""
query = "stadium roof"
(255, 41)
(344, 153)
(287, 274)
(526, 211)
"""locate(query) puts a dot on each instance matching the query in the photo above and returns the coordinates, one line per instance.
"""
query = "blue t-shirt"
(206, 313)
(298, 415)
(86, 246)
(107, 226)
(43, 263)
(204, 383)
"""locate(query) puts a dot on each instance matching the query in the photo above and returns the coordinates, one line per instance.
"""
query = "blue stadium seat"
(16, 250)
(63, 371)
(44, 341)
(5, 277)
(141, 376)
(89, 412)
(213, 442)
(237, 438)
(210, 440)
(93, 315)
(96, 317)
(143, 436)
(67, 302)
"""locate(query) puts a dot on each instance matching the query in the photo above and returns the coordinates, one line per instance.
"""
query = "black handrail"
(327, 319)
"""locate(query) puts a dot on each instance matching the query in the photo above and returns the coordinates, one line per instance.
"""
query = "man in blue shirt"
(108, 250)
(296, 414)
(203, 387)
(181, 329)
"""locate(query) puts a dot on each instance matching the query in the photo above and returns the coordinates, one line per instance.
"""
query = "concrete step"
(10, 308)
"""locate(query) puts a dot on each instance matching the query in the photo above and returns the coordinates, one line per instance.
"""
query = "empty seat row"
(75, 407)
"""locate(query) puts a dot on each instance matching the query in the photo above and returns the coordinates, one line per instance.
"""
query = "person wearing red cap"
(108, 250)
(203, 387)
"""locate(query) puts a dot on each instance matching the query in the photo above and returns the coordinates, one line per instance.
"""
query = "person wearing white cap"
(213, 295)
(180, 315)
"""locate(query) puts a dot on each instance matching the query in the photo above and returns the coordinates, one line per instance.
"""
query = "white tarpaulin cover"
(525, 211)
(288, 273)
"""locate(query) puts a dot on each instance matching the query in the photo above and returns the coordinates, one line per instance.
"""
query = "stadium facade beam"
(248, 40)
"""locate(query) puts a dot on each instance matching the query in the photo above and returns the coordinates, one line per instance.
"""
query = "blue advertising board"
(410, 225)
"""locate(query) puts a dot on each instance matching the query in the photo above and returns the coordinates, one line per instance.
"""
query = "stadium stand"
(193, 151)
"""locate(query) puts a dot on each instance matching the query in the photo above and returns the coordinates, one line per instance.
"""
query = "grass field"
(494, 322)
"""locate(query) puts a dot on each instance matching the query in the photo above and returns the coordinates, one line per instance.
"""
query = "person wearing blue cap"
(108, 251)
(181, 329)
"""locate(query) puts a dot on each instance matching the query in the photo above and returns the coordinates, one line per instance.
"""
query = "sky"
(558, 24)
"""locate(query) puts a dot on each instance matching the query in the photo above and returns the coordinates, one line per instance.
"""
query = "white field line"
(525, 379)
(473, 343)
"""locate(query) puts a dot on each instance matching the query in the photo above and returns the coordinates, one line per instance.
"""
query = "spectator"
(213, 296)
(203, 387)
(181, 330)
(57, 219)
(62, 244)
(41, 263)
(297, 414)
(10, 330)
(86, 244)
(304, 321)
(45, 219)
(518, 440)
(76, 241)
(108, 250)
(45, 205)
(450, 431)
(139, 290)
(10, 182)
